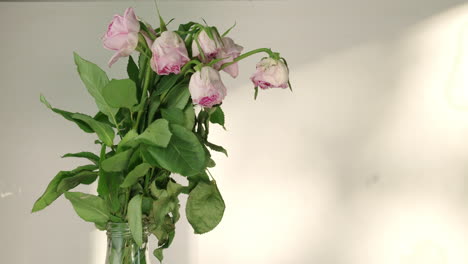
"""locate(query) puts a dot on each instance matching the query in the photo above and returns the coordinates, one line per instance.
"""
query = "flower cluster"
(210, 51)
(161, 132)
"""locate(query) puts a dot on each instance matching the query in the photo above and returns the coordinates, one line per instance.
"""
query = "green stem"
(147, 179)
(247, 54)
(188, 64)
(127, 198)
(116, 125)
(143, 95)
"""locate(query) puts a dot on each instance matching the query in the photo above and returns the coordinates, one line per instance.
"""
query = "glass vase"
(122, 249)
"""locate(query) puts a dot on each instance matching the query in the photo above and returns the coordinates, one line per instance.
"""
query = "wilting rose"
(122, 35)
(169, 53)
(206, 87)
(210, 47)
(271, 73)
(228, 53)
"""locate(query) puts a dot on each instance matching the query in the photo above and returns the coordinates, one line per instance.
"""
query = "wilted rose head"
(169, 53)
(228, 53)
(271, 73)
(206, 87)
(210, 47)
(122, 35)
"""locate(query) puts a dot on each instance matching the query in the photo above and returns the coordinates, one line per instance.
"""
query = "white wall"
(364, 163)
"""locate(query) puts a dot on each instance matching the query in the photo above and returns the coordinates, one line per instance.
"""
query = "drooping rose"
(271, 73)
(206, 87)
(169, 53)
(228, 53)
(122, 35)
(210, 47)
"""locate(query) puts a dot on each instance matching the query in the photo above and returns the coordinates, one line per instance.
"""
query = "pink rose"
(169, 53)
(206, 87)
(122, 35)
(210, 47)
(229, 52)
(271, 73)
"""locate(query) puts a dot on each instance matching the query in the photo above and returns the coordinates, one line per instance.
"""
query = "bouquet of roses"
(161, 115)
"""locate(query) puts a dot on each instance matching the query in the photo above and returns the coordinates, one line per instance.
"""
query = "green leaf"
(157, 134)
(162, 24)
(144, 27)
(167, 202)
(189, 113)
(135, 174)
(147, 157)
(109, 183)
(101, 226)
(183, 155)
(209, 32)
(156, 192)
(102, 188)
(217, 116)
(173, 188)
(166, 83)
(84, 177)
(178, 96)
(205, 207)
(194, 180)
(216, 148)
(163, 206)
(103, 131)
(103, 118)
(95, 79)
(125, 121)
(211, 163)
(170, 239)
(89, 207)
(158, 253)
(229, 30)
(110, 187)
(118, 162)
(120, 93)
(132, 70)
(174, 116)
(67, 115)
(155, 102)
(87, 155)
(51, 193)
(135, 159)
(184, 28)
(134, 219)
(146, 204)
(128, 141)
(165, 232)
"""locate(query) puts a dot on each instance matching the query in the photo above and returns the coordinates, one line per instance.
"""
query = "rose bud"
(206, 87)
(228, 53)
(122, 35)
(169, 53)
(210, 47)
(271, 73)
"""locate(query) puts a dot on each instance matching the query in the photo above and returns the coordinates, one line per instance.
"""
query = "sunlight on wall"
(372, 167)
(458, 80)
(379, 172)
(428, 233)
(423, 145)
(98, 246)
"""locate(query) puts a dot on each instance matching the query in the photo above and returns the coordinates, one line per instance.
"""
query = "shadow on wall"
(306, 31)
(365, 139)
(370, 162)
